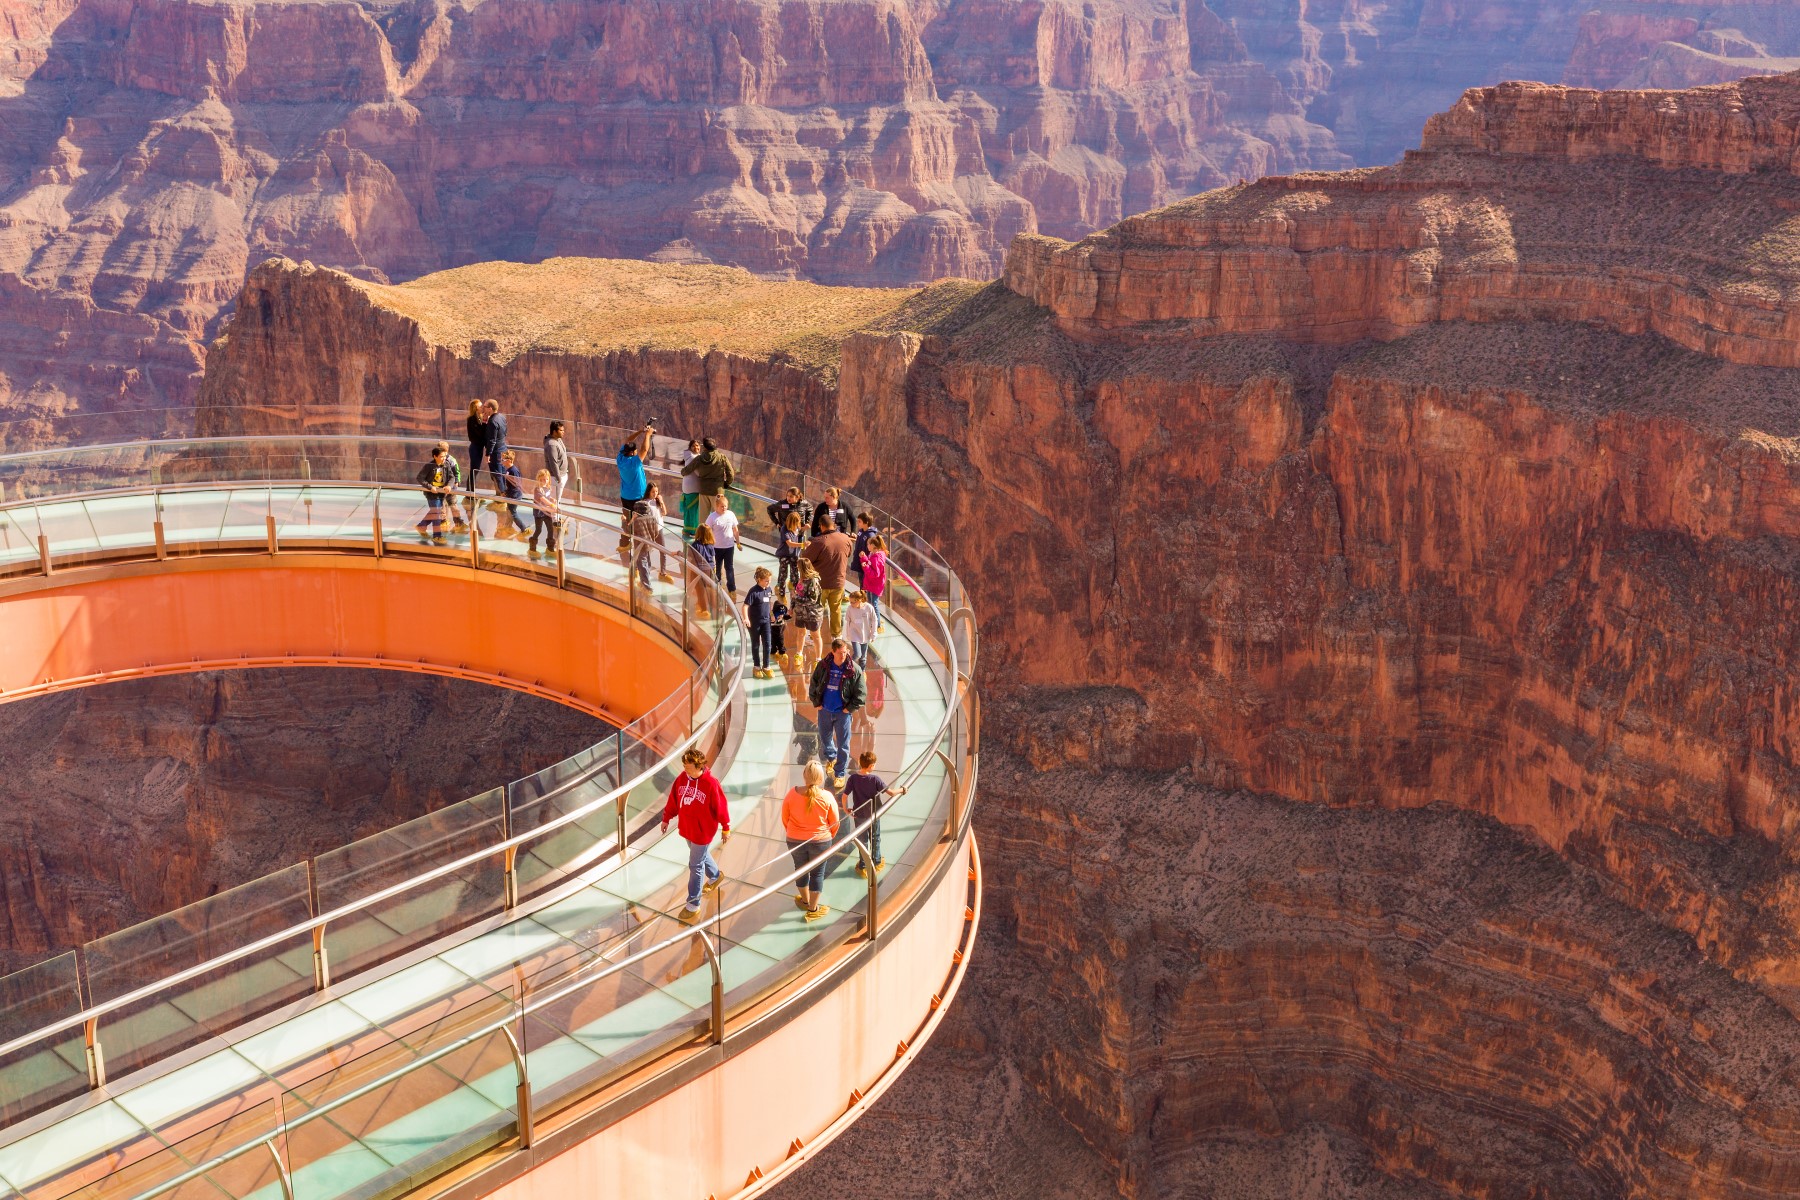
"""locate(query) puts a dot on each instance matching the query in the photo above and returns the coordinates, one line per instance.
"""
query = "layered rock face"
(151, 151)
(1388, 583)
(128, 800)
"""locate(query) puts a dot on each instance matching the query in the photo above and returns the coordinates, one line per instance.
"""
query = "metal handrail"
(94, 1013)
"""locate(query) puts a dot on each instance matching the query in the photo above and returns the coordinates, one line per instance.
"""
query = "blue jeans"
(701, 870)
(834, 740)
(860, 652)
(816, 853)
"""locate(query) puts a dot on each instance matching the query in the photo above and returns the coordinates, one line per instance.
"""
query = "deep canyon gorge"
(1387, 581)
(152, 151)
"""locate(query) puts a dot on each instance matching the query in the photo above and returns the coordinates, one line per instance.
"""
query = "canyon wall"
(127, 800)
(1388, 582)
(151, 151)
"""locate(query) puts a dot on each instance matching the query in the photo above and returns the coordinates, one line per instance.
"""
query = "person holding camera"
(634, 485)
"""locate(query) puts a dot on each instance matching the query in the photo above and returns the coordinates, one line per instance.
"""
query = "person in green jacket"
(713, 471)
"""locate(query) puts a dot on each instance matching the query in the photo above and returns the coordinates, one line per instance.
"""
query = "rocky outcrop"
(152, 151)
(128, 800)
(1388, 585)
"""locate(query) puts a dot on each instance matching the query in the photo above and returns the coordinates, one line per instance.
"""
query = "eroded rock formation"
(127, 800)
(1388, 583)
(151, 151)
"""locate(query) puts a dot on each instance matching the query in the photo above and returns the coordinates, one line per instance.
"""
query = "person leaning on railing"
(436, 479)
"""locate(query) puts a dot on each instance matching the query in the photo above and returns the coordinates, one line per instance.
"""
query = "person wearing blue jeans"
(837, 690)
(696, 804)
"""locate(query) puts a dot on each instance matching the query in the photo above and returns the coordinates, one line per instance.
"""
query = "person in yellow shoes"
(697, 806)
(809, 817)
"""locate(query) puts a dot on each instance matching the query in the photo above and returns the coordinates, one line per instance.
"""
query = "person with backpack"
(697, 805)
(809, 818)
(836, 691)
(808, 614)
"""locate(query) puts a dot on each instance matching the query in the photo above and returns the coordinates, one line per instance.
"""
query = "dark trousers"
(723, 567)
(872, 835)
(478, 452)
(760, 642)
(815, 853)
(545, 524)
(494, 453)
(434, 513)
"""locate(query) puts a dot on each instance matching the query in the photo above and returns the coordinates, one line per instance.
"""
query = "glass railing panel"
(185, 1013)
(193, 521)
(391, 927)
(332, 512)
(36, 1077)
(153, 1162)
(18, 543)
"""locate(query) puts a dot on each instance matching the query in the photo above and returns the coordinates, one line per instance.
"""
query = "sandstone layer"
(152, 151)
(1461, 496)
(127, 800)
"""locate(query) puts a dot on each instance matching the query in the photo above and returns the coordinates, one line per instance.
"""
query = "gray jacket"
(556, 457)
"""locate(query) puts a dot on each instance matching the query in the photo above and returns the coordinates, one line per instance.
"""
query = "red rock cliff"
(1389, 586)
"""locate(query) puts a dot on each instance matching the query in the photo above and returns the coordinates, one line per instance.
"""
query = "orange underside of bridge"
(97, 624)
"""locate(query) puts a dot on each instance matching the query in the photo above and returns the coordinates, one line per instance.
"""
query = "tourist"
(809, 615)
(459, 523)
(655, 503)
(836, 691)
(875, 576)
(697, 806)
(862, 798)
(790, 540)
(859, 628)
(793, 501)
(713, 471)
(478, 437)
(690, 492)
(865, 533)
(634, 485)
(435, 478)
(778, 625)
(496, 442)
(830, 508)
(724, 525)
(544, 513)
(759, 614)
(512, 486)
(809, 818)
(829, 553)
(700, 556)
(645, 529)
(556, 458)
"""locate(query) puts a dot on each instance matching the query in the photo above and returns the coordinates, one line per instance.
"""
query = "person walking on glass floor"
(697, 806)
(837, 690)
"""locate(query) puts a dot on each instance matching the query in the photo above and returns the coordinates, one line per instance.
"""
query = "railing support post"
(162, 545)
(44, 554)
(510, 878)
(716, 1025)
(619, 824)
(281, 1171)
(321, 960)
(868, 862)
(96, 1057)
(474, 543)
(522, 1092)
(269, 525)
(562, 569)
(955, 795)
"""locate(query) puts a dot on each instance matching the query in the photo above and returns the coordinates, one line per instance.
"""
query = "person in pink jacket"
(697, 806)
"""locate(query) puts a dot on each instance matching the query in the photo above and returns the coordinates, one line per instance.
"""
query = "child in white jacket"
(859, 628)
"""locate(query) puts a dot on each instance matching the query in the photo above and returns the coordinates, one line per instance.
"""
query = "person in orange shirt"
(809, 816)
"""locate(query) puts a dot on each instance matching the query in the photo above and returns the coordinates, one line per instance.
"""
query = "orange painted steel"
(81, 627)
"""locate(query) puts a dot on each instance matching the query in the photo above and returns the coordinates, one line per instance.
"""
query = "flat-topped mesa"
(1665, 212)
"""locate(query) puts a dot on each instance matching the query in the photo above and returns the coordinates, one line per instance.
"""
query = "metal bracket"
(868, 862)
(522, 1092)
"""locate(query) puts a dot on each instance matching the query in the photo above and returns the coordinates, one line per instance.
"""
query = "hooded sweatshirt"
(697, 806)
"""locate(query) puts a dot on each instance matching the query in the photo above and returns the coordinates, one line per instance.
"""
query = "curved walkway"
(339, 1053)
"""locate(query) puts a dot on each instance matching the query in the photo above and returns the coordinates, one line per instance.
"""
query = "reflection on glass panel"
(373, 864)
(39, 1076)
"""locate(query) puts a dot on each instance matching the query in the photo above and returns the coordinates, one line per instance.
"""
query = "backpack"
(808, 612)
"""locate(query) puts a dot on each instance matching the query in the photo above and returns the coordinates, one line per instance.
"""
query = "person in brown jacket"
(829, 553)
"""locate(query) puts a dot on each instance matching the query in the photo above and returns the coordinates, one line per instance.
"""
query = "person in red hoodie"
(697, 806)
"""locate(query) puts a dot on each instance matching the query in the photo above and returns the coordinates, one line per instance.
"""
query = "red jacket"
(697, 806)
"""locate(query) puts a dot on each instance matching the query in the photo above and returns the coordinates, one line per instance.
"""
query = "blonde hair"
(812, 776)
(703, 536)
(543, 475)
(807, 570)
(793, 520)
(474, 408)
